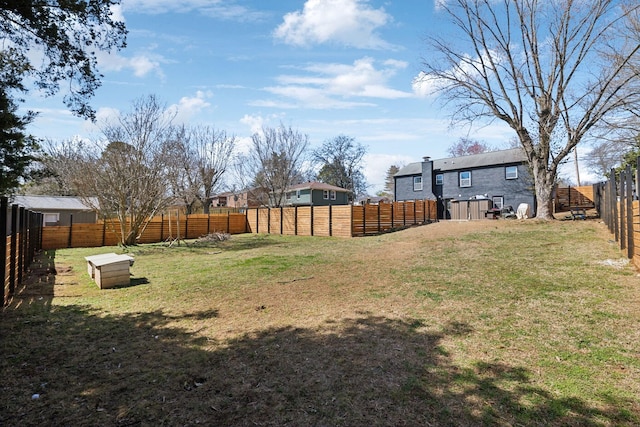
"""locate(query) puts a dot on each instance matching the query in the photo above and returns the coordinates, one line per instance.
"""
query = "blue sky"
(324, 67)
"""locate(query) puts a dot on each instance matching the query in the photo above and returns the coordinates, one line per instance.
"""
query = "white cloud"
(425, 85)
(141, 65)
(116, 12)
(467, 69)
(325, 86)
(350, 23)
(218, 9)
(190, 106)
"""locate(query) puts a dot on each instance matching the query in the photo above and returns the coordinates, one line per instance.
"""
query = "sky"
(324, 67)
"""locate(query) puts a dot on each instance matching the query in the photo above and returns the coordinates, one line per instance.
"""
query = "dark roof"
(36, 203)
(491, 158)
(315, 185)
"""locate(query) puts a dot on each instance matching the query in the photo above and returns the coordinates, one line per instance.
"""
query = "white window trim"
(333, 194)
(440, 179)
(417, 186)
(298, 194)
(325, 194)
(49, 215)
(500, 198)
(506, 172)
(463, 181)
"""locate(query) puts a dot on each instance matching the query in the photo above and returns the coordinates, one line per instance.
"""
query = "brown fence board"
(567, 197)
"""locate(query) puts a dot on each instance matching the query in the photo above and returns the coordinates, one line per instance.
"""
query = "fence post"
(281, 220)
(404, 214)
(312, 219)
(295, 221)
(623, 211)
(330, 220)
(13, 256)
(21, 244)
(393, 220)
(629, 199)
(364, 220)
(4, 202)
(614, 204)
(70, 230)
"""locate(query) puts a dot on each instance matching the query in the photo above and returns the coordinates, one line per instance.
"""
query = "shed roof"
(36, 203)
(491, 158)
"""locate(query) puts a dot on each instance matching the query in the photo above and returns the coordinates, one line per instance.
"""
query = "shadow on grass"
(88, 368)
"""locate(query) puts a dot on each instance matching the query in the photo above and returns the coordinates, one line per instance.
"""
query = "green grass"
(491, 323)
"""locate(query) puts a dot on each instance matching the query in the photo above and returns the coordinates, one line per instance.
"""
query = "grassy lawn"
(484, 323)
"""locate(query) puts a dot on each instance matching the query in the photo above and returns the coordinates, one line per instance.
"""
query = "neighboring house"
(371, 200)
(500, 176)
(315, 193)
(242, 199)
(58, 210)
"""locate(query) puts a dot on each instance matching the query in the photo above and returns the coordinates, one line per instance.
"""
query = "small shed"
(58, 210)
(470, 209)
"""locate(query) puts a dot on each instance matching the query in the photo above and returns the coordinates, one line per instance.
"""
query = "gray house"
(58, 210)
(502, 177)
(316, 194)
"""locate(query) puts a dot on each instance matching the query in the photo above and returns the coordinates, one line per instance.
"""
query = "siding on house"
(488, 179)
(313, 193)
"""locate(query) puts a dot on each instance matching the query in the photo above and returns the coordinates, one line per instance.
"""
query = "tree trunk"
(543, 181)
(206, 204)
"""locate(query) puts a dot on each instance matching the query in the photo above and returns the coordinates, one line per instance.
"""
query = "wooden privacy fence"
(22, 229)
(573, 197)
(340, 221)
(619, 208)
(337, 221)
(159, 229)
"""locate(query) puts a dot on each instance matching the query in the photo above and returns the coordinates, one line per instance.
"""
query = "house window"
(511, 172)
(288, 196)
(439, 179)
(333, 194)
(325, 194)
(417, 183)
(498, 202)
(465, 179)
(298, 194)
(50, 219)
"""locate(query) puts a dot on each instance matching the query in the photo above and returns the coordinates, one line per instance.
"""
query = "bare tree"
(468, 146)
(274, 163)
(552, 70)
(201, 156)
(340, 161)
(126, 178)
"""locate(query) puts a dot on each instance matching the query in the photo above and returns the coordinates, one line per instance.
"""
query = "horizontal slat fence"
(568, 197)
(341, 221)
(159, 229)
(21, 229)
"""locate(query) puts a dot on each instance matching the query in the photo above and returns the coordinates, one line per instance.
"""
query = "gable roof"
(491, 158)
(36, 203)
(315, 185)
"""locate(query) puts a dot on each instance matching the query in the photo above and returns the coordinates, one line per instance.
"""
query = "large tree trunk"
(543, 180)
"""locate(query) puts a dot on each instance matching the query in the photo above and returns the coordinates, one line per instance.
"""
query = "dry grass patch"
(480, 323)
